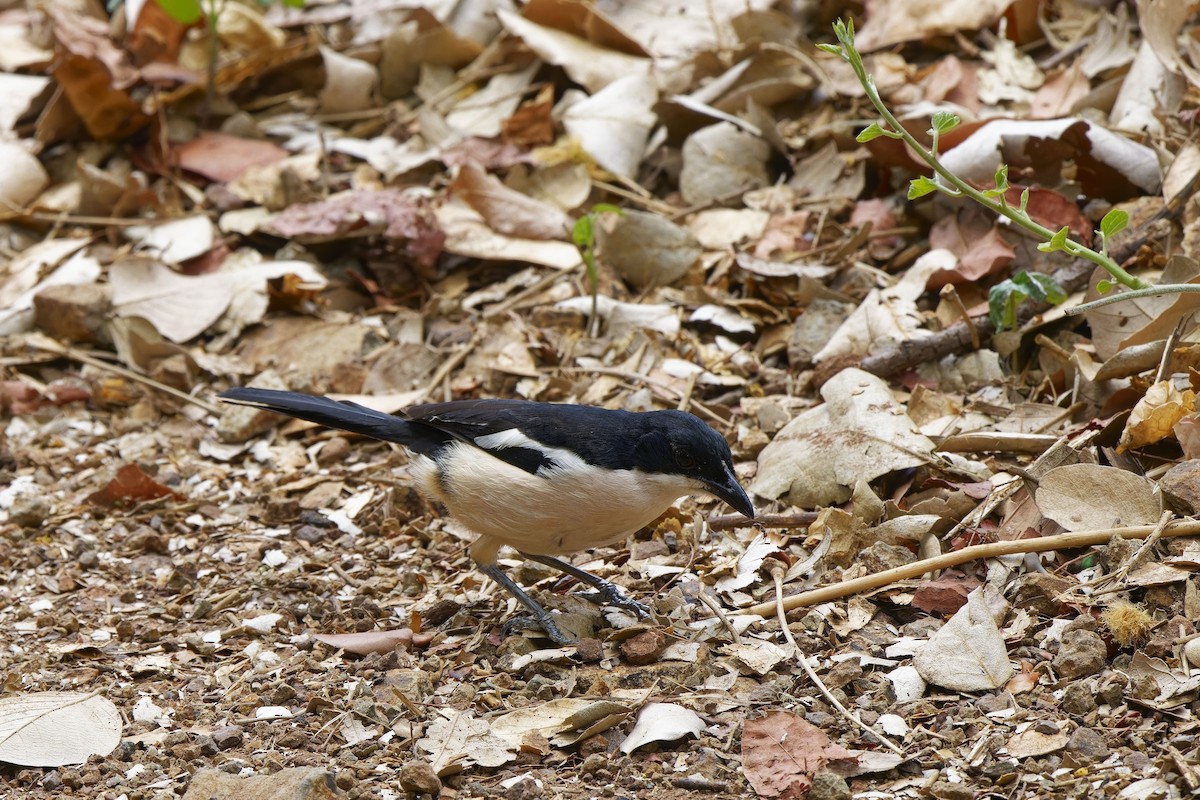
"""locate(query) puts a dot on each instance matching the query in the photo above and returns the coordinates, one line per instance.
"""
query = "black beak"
(729, 490)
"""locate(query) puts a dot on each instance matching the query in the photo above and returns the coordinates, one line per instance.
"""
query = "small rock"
(74, 312)
(1181, 485)
(227, 737)
(296, 783)
(526, 788)
(1082, 652)
(589, 651)
(945, 790)
(1040, 593)
(29, 509)
(645, 648)
(1088, 746)
(1079, 698)
(52, 781)
(334, 451)
(594, 763)
(828, 785)
(417, 777)
(882, 556)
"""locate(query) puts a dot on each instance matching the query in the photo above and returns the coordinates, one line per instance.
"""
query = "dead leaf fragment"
(52, 729)
(781, 753)
(130, 487)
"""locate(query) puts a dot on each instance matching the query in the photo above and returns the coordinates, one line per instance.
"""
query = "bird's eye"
(684, 458)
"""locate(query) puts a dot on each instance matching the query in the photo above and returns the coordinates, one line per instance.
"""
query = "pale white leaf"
(51, 729)
(662, 722)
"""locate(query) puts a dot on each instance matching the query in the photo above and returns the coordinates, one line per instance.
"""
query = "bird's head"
(678, 443)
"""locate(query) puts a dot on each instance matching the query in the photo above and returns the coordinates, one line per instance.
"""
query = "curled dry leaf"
(1153, 418)
(662, 722)
(506, 210)
(858, 434)
(612, 125)
(51, 729)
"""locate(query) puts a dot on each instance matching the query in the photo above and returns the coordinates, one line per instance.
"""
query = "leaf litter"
(387, 216)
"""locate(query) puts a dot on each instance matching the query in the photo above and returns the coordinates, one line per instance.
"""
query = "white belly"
(545, 514)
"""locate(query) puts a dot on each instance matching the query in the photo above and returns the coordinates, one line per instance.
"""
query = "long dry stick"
(1064, 541)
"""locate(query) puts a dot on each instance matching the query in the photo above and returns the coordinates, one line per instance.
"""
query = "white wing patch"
(561, 459)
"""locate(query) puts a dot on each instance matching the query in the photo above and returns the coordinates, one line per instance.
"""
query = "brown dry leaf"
(592, 66)
(1082, 497)
(647, 250)
(781, 753)
(392, 213)
(95, 76)
(892, 23)
(976, 242)
(1034, 742)
(468, 235)
(508, 211)
(221, 157)
(1155, 415)
(457, 739)
(720, 162)
(349, 83)
(129, 487)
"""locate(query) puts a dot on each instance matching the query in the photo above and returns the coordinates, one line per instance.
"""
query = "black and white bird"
(544, 478)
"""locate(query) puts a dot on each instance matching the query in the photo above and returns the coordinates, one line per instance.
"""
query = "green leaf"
(919, 187)
(830, 48)
(1104, 286)
(1002, 179)
(1024, 199)
(1040, 287)
(872, 131)
(1003, 300)
(944, 121)
(184, 12)
(582, 233)
(1057, 242)
(1113, 223)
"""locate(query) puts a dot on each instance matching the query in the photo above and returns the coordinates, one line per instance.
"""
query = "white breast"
(554, 512)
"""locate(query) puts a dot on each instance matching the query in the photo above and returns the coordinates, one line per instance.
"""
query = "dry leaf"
(781, 753)
(858, 434)
(1082, 497)
(53, 729)
(662, 722)
(1153, 418)
(967, 654)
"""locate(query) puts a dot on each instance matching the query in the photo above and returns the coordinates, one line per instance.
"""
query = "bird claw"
(531, 622)
(612, 595)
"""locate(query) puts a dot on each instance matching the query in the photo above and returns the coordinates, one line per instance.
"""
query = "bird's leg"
(606, 591)
(539, 614)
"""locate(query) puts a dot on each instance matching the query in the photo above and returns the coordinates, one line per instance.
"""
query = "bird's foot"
(613, 595)
(532, 621)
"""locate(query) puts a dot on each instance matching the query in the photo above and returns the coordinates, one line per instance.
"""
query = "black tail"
(340, 414)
